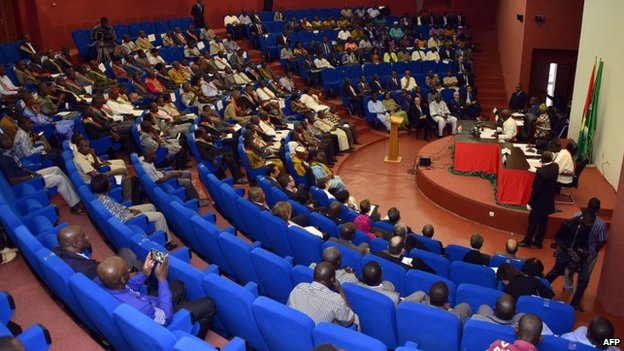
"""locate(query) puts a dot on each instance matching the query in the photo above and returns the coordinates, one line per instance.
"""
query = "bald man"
(438, 297)
(74, 249)
(333, 256)
(347, 233)
(114, 276)
(528, 335)
(319, 302)
(599, 330)
(511, 250)
(395, 252)
(504, 313)
(372, 278)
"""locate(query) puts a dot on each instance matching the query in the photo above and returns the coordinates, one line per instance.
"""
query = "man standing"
(573, 251)
(197, 11)
(542, 201)
(518, 99)
(104, 36)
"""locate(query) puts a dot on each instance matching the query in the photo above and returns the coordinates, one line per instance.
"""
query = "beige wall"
(510, 40)
(602, 25)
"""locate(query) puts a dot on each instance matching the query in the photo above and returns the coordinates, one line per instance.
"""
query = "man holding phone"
(114, 275)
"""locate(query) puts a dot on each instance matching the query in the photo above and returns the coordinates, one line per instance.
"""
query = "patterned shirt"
(23, 145)
(321, 304)
(116, 209)
(597, 235)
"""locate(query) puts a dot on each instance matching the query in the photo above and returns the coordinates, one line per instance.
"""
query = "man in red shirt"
(528, 336)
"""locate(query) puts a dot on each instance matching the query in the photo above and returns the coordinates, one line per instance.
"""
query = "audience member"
(528, 335)
(517, 284)
(504, 313)
(595, 334)
(438, 297)
(395, 253)
(347, 233)
(474, 255)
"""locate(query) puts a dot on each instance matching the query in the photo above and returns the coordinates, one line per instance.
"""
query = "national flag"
(590, 113)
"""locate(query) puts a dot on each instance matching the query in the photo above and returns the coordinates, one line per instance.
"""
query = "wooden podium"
(393, 150)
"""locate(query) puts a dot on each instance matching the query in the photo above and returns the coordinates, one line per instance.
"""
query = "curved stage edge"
(473, 197)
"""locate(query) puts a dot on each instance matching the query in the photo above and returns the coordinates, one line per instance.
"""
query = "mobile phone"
(40, 134)
(158, 256)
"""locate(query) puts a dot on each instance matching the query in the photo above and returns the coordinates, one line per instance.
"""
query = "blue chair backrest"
(376, 312)
(120, 30)
(162, 26)
(350, 258)
(237, 253)
(282, 327)
(273, 274)
(476, 295)
(553, 343)
(462, 272)
(324, 224)
(233, 305)
(432, 245)
(439, 263)
(190, 276)
(305, 246)
(456, 252)
(249, 217)
(134, 29)
(210, 247)
(140, 331)
(192, 343)
(345, 338)
(391, 271)
(275, 229)
(419, 280)
(319, 196)
(559, 316)
(426, 325)
(479, 335)
(99, 306)
(497, 260)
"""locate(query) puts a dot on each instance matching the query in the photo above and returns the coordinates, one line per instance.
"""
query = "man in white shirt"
(408, 82)
(419, 55)
(375, 106)
(441, 115)
(599, 330)
(343, 35)
(221, 62)
(433, 55)
(8, 90)
(233, 23)
(230, 20)
(244, 18)
(321, 62)
(566, 164)
(510, 128)
(373, 12)
(154, 58)
(434, 42)
(118, 106)
(288, 83)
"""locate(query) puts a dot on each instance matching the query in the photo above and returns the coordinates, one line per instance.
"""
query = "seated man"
(518, 284)
(100, 187)
(511, 249)
(375, 106)
(209, 152)
(114, 276)
(394, 217)
(26, 143)
(88, 165)
(565, 160)
(441, 115)
(183, 177)
(395, 252)
(150, 137)
(347, 233)
(52, 176)
(504, 313)
(510, 128)
(372, 278)
(73, 247)
(333, 256)
(294, 192)
(438, 297)
(528, 335)
(595, 334)
(474, 256)
(319, 302)
(428, 231)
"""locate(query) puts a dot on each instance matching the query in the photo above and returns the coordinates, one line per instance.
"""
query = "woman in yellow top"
(300, 51)
(394, 109)
(421, 42)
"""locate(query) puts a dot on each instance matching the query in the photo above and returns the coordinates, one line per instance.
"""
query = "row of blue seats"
(82, 37)
(35, 338)
(10, 52)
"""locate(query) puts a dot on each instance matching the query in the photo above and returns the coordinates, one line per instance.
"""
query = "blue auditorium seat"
(462, 272)
(249, 216)
(553, 343)
(237, 254)
(233, 305)
(275, 228)
(439, 263)
(456, 252)
(391, 271)
(350, 258)
(418, 280)
(476, 295)
(274, 274)
(190, 276)
(209, 250)
(305, 246)
(432, 328)
(282, 327)
(497, 260)
(479, 335)
(345, 338)
(376, 312)
(35, 338)
(559, 316)
(324, 224)
(432, 245)
(7, 307)
(186, 343)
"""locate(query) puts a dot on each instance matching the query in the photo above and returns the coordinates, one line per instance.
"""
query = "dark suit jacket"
(542, 199)
(392, 85)
(375, 86)
(518, 101)
(465, 81)
(274, 182)
(198, 15)
(78, 263)
(528, 285)
(283, 40)
(447, 56)
(414, 115)
(476, 257)
(417, 263)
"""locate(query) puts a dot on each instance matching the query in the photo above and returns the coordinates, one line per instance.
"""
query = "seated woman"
(257, 152)
(543, 132)
(394, 109)
(364, 220)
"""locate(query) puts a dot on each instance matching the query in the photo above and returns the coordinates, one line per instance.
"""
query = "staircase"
(489, 73)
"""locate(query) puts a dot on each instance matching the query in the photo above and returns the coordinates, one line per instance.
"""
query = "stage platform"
(473, 197)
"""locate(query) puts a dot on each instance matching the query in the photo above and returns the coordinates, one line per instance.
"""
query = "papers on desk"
(236, 127)
(488, 134)
(136, 113)
(407, 261)
(534, 164)
(228, 136)
(88, 89)
(314, 231)
(201, 45)
(63, 113)
(526, 150)
(151, 37)
(517, 115)
(102, 67)
(117, 118)
(290, 126)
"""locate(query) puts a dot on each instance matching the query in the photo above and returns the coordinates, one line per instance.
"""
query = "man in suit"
(347, 233)
(271, 174)
(74, 243)
(419, 116)
(197, 11)
(209, 152)
(475, 256)
(518, 99)
(394, 83)
(542, 201)
(395, 253)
